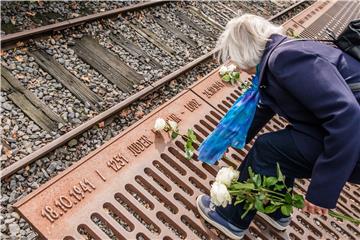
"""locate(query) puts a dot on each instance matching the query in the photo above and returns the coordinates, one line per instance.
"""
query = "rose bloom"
(160, 124)
(223, 70)
(227, 175)
(231, 68)
(219, 194)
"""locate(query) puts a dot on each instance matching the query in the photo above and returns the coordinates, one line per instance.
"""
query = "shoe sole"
(215, 224)
(271, 221)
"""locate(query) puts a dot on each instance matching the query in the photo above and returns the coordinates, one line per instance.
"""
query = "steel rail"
(6, 172)
(272, 18)
(100, 117)
(31, 33)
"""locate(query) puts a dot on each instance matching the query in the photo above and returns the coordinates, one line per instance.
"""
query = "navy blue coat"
(305, 82)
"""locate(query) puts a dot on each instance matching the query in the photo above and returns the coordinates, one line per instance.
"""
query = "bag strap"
(355, 87)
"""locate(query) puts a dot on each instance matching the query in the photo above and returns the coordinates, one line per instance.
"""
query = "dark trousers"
(267, 150)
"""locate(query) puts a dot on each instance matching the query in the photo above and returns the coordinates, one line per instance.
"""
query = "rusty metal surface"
(222, 95)
(139, 185)
(313, 12)
(292, 28)
(132, 161)
(332, 15)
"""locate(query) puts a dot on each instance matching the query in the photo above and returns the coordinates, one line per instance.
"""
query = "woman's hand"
(313, 209)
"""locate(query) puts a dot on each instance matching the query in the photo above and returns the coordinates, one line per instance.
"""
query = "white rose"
(173, 125)
(231, 67)
(160, 124)
(226, 175)
(223, 70)
(219, 194)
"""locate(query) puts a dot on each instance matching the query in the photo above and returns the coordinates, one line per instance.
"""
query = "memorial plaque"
(292, 29)
(140, 185)
(312, 13)
(137, 159)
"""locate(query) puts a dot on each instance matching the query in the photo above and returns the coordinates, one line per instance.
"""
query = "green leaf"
(259, 205)
(279, 187)
(226, 77)
(189, 145)
(262, 196)
(344, 217)
(189, 153)
(174, 134)
(286, 209)
(240, 186)
(239, 201)
(257, 180)
(191, 135)
(288, 198)
(280, 176)
(248, 208)
(251, 173)
(270, 181)
(236, 75)
(298, 201)
(270, 209)
(275, 203)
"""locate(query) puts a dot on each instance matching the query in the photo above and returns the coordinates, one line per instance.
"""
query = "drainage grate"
(139, 185)
(313, 13)
(326, 15)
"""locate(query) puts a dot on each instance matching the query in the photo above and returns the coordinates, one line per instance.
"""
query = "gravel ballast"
(22, 136)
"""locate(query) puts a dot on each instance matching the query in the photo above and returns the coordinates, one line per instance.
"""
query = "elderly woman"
(307, 83)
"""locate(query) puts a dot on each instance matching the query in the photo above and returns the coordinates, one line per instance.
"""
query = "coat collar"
(275, 40)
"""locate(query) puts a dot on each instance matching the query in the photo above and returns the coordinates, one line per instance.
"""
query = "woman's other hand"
(313, 209)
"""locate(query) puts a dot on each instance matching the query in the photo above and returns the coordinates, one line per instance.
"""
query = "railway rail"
(213, 108)
(46, 118)
(12, 38)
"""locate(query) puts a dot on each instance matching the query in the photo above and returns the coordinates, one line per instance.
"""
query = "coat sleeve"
(262, 115)
(317, 84)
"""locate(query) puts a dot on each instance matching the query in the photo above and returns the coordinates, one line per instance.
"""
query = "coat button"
(263, 86)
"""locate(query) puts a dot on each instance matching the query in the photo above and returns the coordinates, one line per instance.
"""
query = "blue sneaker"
(207, 211)
(280, 224)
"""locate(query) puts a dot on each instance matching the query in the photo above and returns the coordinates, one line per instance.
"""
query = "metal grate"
(313, 12)
(139, 185)
(327, 15)
(292, 28)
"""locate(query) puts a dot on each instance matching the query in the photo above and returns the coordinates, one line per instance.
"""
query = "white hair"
(244, 40)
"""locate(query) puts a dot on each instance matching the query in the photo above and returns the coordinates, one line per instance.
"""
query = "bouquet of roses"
(258, 192)
(261, 193)
(228, 74)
